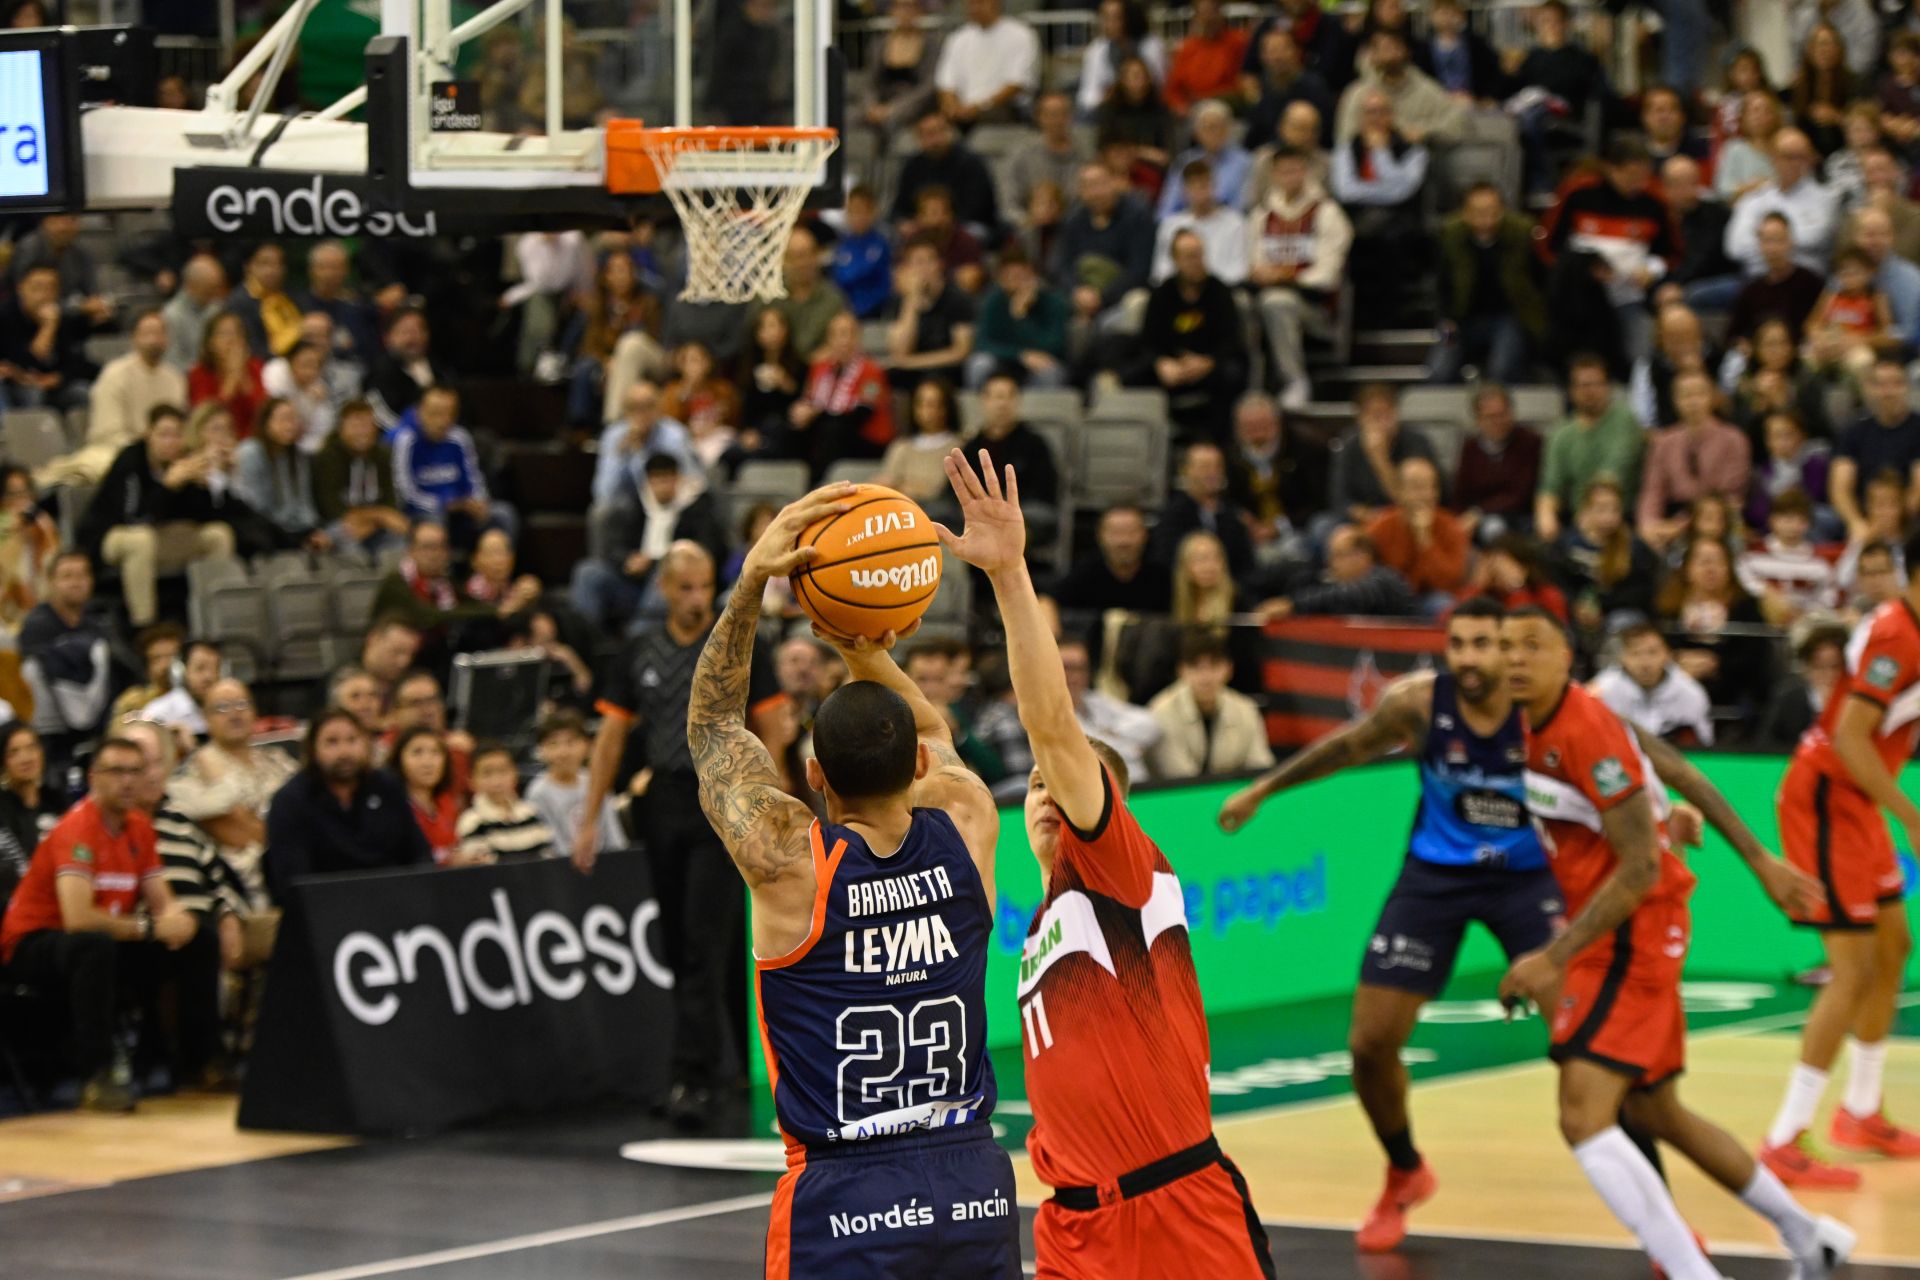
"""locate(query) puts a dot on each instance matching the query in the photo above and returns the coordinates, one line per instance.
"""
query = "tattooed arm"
(1397, 721)
(1792, 890)
(765, 830)
(1632, 831)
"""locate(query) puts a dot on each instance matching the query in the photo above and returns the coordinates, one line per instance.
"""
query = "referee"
(692, 875)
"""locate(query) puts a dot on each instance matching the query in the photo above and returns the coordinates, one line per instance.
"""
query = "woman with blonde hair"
(1203, 589)
(1205, 599)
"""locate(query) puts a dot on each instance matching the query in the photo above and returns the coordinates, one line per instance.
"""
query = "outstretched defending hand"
(996, 532)
(775, 556)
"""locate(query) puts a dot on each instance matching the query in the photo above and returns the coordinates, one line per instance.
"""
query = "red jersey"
(1852, 313)
(1582, 762)
(117, 864)
(1883, 666)
(1115, 1032)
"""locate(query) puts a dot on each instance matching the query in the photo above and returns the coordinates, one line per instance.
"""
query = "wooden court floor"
(550, 1197)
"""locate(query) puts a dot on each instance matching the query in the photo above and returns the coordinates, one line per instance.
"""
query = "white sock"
(1769, 1198)
(1643, 1204)
(1863, 1078)
(1804, 1088)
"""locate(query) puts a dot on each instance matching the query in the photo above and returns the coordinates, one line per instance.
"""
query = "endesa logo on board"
(497, 961)
(260, 202)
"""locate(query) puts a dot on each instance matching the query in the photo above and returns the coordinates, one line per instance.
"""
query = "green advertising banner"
(1281, 912)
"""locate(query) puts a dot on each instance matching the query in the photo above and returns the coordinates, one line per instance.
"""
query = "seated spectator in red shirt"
(1698, 455)
(228, 372)
(424, 765)
(846, 409)
(1420, 540)
(1499, 469)
(1207, 63)
(73, 929)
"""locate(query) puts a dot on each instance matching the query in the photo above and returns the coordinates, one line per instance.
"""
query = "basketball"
(878, 567)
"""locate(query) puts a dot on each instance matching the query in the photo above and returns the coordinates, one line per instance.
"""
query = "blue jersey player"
(1473, 855)
(870, 934)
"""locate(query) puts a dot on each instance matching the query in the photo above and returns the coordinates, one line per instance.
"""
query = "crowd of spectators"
(1724, 279)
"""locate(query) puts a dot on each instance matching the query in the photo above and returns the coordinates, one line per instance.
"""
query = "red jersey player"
(1115, 1033)
(1845, 771)
(1612, 980)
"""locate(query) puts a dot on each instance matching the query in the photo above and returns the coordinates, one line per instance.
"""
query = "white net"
(738, 197)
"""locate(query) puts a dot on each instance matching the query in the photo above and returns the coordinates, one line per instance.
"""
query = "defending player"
(1115, 1033)
(1473, 856)
(871, 932)
(1612, 978)
(1846, 770)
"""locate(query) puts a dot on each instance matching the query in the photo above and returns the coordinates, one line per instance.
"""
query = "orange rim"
(635, 153)
(636, 131)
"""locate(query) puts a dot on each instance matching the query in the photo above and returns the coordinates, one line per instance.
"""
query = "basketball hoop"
(738, 193)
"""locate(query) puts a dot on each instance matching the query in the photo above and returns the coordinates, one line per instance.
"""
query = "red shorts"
(1833, 832)
(1201, 1225)
(1621, 1005)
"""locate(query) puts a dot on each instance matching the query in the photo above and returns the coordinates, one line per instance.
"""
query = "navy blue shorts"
(1418, 936)
(927, 1206)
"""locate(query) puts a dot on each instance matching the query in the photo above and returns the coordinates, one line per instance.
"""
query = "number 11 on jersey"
(1039, 1034)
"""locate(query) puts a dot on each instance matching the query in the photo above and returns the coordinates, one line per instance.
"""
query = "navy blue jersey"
(877, 1024)
(1473, 791)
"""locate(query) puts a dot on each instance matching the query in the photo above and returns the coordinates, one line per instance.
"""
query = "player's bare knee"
(1578, 1123)
(1896, 943)
(1373, 1048)
(1657, 1112)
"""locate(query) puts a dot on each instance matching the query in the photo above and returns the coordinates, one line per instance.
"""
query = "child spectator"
(436, 470)
(1793, 463)
(559, 793)
(1785, 572)
(499, 825)
(1853, 322)
(705, 402)
(862, 258)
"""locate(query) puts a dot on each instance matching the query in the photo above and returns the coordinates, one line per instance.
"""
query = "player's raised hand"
(996, 532)
(1238, 810)
(1796, 893)
(775, 555)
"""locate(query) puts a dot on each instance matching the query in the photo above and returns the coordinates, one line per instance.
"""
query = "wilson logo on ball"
(876, 566)
(901, 577)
